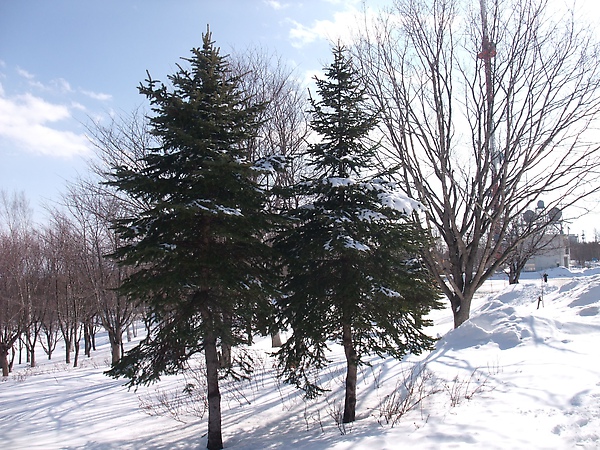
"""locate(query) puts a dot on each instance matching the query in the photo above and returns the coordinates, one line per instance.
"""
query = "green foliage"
(201, 262)
(351, 252)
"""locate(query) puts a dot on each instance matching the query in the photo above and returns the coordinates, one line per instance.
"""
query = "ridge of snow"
(512, 376)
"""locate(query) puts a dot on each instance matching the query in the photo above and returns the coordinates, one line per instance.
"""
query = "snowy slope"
(513, 377)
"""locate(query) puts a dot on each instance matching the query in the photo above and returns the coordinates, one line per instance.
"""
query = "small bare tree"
(284, 129)
(486, 109)
(94, 212)
(19, 276)
(72, 293)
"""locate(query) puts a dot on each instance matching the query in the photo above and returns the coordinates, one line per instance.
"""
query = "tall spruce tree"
(350, 255)
(198, 247)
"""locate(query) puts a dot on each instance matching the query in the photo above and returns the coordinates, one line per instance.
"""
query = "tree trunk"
(4, 359)
(352, 368)
(460, 309)
(115, 338)
(20, 351)
(215, 439)
(31, 350)
(225, 356)
(115, 352)
(51, 341)
(93, 337)
(276, 340)
(87, 341)
(12, 359)
(76, 358)
(68, 346)
(514, 271)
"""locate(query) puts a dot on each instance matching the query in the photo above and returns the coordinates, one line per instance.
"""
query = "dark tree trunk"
(352, 368)
(76, 357)
(87, 341)
(215, 439)
(4, 359)
(460, 309)
(276, 340)
(12, 359)
(116, 344)
(68, 346)
(225, 354)
(93, 337)
(31, 350)
(115, 352)
(514, 272)
(32, 337)
(51, 340)
(20, 351)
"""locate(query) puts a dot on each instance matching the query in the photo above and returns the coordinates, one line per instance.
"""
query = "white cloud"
(97, 95)
(276, 5)
(61, 86)
(79, 106)
(343, 27)
(27, 121)
(25, 74)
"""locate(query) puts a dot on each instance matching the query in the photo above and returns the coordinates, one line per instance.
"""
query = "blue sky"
(63, 62)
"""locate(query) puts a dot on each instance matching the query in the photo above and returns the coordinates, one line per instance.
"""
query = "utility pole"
(487, 53)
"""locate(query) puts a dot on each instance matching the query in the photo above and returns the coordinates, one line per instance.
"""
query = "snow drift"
(513, 376)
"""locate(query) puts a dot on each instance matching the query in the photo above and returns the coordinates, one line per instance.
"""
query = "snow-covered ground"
(513, 377)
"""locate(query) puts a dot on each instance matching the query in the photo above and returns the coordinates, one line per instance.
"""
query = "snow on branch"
(271, 164)
(206, 205)
(399, 202)
(339, 181)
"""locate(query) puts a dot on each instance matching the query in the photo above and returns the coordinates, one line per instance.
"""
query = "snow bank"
(513, 376)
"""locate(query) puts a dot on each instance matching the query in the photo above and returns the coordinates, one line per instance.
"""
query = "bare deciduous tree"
(19, 277)
(284, 130)
(72, 291)
(94, 213)
(487, 108)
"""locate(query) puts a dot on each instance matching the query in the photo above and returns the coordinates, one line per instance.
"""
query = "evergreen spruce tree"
(350, 255)
(198, 247)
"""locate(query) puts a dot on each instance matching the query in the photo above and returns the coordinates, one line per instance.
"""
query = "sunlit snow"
(399, 202)
(512, 377)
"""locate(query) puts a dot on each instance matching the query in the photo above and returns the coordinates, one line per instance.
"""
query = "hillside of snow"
(512, 377)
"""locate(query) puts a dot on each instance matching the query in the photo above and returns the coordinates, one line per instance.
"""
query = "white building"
(555, 252)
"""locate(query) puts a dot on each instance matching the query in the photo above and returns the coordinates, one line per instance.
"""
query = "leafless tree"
(72, 293)
(267, 79)
(34, 299)
(284, 131)
(487, 108)
(124, 141)
(50, 331)
(585, 252)
(19, 276)
(548, 238)
(94, 213)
